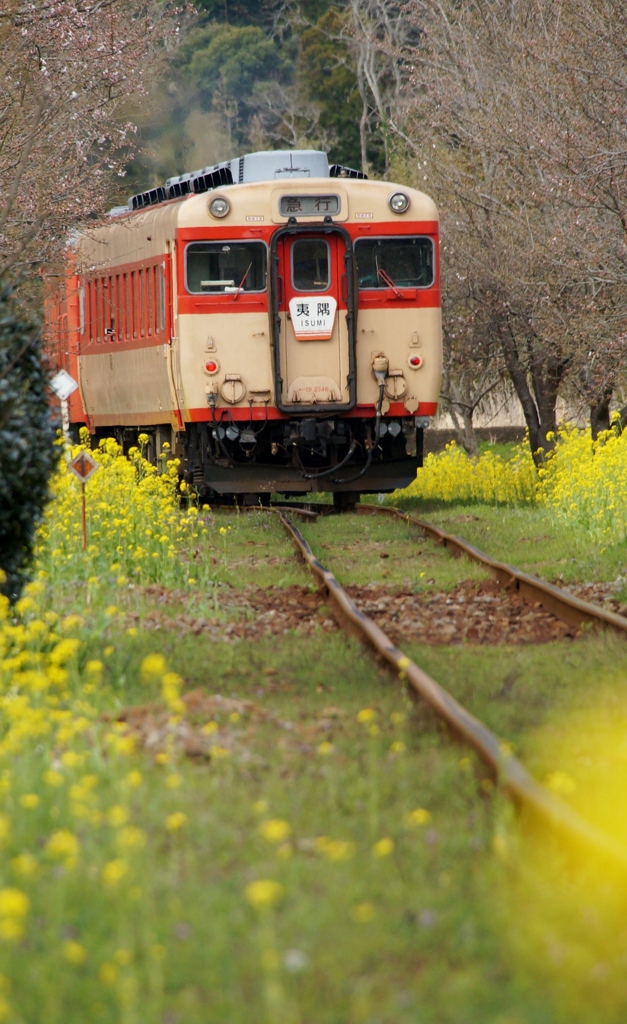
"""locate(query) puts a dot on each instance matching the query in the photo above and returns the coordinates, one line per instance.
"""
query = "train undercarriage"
(238, 462)
(297, 457)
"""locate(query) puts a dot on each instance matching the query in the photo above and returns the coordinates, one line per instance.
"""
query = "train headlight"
(399, 202)
(219, 207)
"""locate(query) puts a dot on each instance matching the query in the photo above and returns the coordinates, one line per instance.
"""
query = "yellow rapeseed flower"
(153, 666)
(366, 715)
(275, 830)
(74, 953)
(383, 848)
(334, 850)
(417, 817)
(132, 838)
(175, 821)
(362, 913)
(264, 893)
(114, 871)
(29, 801)
(25, 864)
(53, 778)
(63, 845)
(117, 816)
(13, 903)
(107, 973)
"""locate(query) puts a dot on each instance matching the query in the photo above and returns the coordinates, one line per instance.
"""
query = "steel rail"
(570, 609)
(516, 780)
(560, 603)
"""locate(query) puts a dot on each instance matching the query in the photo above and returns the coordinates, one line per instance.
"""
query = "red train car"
(275, 319)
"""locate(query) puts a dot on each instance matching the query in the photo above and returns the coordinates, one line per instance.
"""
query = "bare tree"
(65, 69)
(497, 106)
(473, 368)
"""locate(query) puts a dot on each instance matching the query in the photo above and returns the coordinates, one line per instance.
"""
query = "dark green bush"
(27, 450)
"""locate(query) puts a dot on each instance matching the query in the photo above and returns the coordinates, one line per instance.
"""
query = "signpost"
(83, 466)
(64, 385)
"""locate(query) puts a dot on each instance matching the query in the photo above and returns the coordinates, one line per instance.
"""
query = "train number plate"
(313, 317)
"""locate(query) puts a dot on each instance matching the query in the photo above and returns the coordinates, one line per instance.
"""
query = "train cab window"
(401, 262)
(310, 265)
(225, 267)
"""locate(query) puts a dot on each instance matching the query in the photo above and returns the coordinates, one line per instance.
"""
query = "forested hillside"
(254, 76)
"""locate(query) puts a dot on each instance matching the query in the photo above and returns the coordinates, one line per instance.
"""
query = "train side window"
(100, 301)
(401, 262)
(141, 277)
(127, 306)
(150, 292)
(161, 294)
(110, 309)
(213, 268)
(135, 302)
(310, 265)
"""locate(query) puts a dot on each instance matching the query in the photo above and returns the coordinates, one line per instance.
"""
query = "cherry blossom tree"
(67, 67)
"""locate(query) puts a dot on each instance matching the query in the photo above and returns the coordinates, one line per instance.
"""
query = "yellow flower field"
(326, 844)
(583, 483)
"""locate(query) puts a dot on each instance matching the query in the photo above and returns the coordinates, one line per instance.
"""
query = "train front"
(309, 339)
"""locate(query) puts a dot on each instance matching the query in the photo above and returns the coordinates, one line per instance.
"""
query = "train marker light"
(399, 202)
(415, 361)
(219, 207)
(212, 366)
(394, 428)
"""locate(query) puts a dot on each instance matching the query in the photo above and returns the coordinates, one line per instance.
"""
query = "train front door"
(314, 321)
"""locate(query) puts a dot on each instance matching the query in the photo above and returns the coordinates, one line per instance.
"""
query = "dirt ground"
(475, 612)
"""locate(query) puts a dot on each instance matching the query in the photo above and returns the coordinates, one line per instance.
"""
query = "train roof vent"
(179, 186)
(338, 171)
(149, 198)
(281, 164)
(212, 177)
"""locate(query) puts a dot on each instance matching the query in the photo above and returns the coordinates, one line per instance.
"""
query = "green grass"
(529, 539)
(353, 545)
(472, 917)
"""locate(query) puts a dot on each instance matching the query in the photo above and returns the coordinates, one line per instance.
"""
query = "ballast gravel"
(475, 612)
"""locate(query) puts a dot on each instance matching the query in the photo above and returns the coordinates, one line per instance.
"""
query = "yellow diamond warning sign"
(83, 466)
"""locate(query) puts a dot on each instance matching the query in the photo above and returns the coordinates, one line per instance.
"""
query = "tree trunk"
(539, 405)
(600, 413)
(464, 432)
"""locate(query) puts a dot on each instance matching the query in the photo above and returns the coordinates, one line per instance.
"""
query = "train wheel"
(345, 501)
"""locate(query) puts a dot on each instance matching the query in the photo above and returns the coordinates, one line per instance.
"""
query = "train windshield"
(225, 267)
(399, 262)
(310, 265)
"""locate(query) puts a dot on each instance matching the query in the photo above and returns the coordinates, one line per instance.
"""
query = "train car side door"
(314, 298)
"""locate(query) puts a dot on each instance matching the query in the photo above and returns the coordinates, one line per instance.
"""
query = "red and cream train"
(275, 319)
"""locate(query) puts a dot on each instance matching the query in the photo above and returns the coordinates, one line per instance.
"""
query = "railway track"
(516, 781)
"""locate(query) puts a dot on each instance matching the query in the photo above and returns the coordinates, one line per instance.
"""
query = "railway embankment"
(213, 798)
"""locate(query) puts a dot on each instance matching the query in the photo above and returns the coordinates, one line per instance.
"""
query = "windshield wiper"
(241, 284)
(390, 283)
